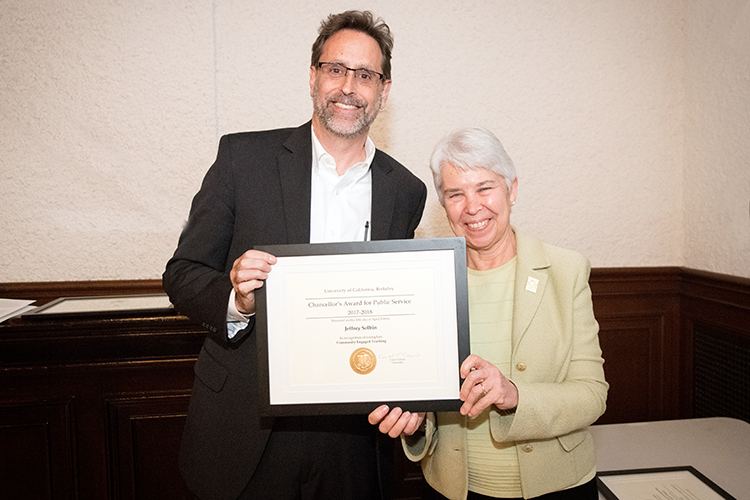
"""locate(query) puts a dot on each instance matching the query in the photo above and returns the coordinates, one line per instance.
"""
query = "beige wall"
(629, 121)
(716, 169)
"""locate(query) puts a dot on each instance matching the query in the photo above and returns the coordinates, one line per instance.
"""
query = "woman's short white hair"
(471, 148)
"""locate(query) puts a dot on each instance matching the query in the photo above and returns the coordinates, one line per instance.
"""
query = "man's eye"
(336, 70)
(363, 75)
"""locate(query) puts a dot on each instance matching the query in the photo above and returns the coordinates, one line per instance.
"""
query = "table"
(717, 447)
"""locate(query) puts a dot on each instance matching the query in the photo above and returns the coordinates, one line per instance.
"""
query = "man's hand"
(248, 274)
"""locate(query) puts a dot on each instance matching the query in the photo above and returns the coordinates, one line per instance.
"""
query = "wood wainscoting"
(93, 408)
(672, 337)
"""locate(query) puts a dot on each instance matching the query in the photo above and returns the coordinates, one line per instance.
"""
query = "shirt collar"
(319, 153)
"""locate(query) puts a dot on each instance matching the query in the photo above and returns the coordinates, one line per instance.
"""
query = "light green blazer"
(557, 365)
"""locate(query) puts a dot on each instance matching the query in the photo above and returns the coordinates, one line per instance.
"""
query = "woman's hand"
(483, 386)
(395, 422)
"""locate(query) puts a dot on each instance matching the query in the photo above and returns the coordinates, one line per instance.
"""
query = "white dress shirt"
(339, 205)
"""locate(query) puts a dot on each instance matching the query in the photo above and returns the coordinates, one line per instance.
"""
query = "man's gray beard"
(362, 125)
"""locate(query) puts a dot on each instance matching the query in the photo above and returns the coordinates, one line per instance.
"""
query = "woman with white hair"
(535, 380)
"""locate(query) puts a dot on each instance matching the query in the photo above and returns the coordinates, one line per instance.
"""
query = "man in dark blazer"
(266, 188)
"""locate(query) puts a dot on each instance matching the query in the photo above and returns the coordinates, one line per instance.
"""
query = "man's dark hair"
(359, 21)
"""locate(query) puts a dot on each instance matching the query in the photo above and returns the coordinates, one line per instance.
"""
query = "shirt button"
(521, 367)
(527, 448)
(336, 192)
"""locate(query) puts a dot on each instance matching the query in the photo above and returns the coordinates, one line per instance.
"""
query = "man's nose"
(348, 84)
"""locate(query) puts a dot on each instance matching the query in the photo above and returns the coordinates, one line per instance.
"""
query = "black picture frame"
(417, 247)
(128, 306)
(604, 489)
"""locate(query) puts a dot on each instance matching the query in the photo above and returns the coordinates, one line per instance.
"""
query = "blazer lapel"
(383, 198)
(295, 164)
(531, 281)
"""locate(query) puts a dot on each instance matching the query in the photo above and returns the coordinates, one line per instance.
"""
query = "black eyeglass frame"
(320, 64)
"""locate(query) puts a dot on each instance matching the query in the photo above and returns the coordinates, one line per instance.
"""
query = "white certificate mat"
(668, 483)
(344, 327)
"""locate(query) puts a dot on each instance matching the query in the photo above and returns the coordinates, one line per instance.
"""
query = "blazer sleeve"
(197, 276)
(420, 444)
(573, 395)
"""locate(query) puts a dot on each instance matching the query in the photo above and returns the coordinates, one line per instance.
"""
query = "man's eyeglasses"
(336, 71)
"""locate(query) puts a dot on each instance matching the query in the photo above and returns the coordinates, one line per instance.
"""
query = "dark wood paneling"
(638, 315)
(45, 341)
(37, 454)
(144, 432)
(633, 349)
(90, 365)
(720, 374)
(91, 388)
(94, 408)
(714, 306)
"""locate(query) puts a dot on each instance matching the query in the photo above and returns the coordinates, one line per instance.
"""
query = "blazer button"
(527, 448)
(521, 367)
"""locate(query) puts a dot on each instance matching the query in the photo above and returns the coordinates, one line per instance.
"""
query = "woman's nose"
(472, 205)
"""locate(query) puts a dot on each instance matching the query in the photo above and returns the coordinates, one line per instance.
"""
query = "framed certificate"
(664, 482)
(344, 327)
(120, 305)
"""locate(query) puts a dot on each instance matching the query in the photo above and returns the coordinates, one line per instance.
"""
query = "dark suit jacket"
(256, 193)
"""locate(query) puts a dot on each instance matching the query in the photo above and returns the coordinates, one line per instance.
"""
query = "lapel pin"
(532, 284)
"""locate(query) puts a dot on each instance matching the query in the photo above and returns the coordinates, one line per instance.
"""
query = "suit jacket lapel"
(383, 198)
(531, 280)
(295, 165)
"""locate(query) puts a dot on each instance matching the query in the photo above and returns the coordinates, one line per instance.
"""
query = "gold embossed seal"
(363, 361)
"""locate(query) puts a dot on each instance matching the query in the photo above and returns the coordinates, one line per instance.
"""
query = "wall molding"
(604, 281)
(47, 291)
